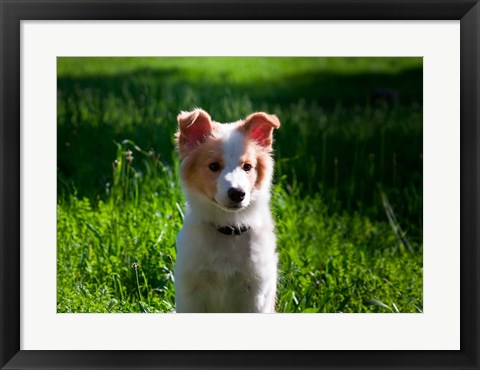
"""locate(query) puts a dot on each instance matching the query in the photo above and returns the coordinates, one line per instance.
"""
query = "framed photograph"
(170, 170)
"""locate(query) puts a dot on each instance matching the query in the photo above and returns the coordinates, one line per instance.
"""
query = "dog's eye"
(214, 166)
(247, 167)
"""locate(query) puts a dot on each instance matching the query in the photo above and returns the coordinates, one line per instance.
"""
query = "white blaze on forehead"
(233, 146)
(232, 175)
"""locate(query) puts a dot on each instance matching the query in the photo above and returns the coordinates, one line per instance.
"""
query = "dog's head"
(228, 164)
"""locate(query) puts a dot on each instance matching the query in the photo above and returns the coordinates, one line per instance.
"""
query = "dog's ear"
(194, 128)
(259, 127)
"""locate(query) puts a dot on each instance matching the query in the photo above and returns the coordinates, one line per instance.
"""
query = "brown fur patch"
(195, 169)
(259, 158)
(263, 160)
(250, 157)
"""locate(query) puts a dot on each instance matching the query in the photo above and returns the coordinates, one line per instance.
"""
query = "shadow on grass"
(328, 89)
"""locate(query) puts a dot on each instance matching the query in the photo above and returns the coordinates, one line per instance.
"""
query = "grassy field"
(347, 195)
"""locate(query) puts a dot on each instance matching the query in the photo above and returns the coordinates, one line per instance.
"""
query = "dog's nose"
(237, 195)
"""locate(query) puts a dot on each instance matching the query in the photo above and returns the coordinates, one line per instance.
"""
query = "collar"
(232, 230)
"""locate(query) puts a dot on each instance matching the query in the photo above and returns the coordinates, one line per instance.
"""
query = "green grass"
(347, 189)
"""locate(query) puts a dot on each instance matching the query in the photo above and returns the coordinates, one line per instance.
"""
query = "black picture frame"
(13, 12)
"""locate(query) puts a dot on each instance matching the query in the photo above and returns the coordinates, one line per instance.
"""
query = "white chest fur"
(220, 273)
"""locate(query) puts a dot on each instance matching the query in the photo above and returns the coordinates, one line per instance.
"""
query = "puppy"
(226, 251)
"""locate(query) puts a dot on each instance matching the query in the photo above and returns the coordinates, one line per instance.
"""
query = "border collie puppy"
(226, 250)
